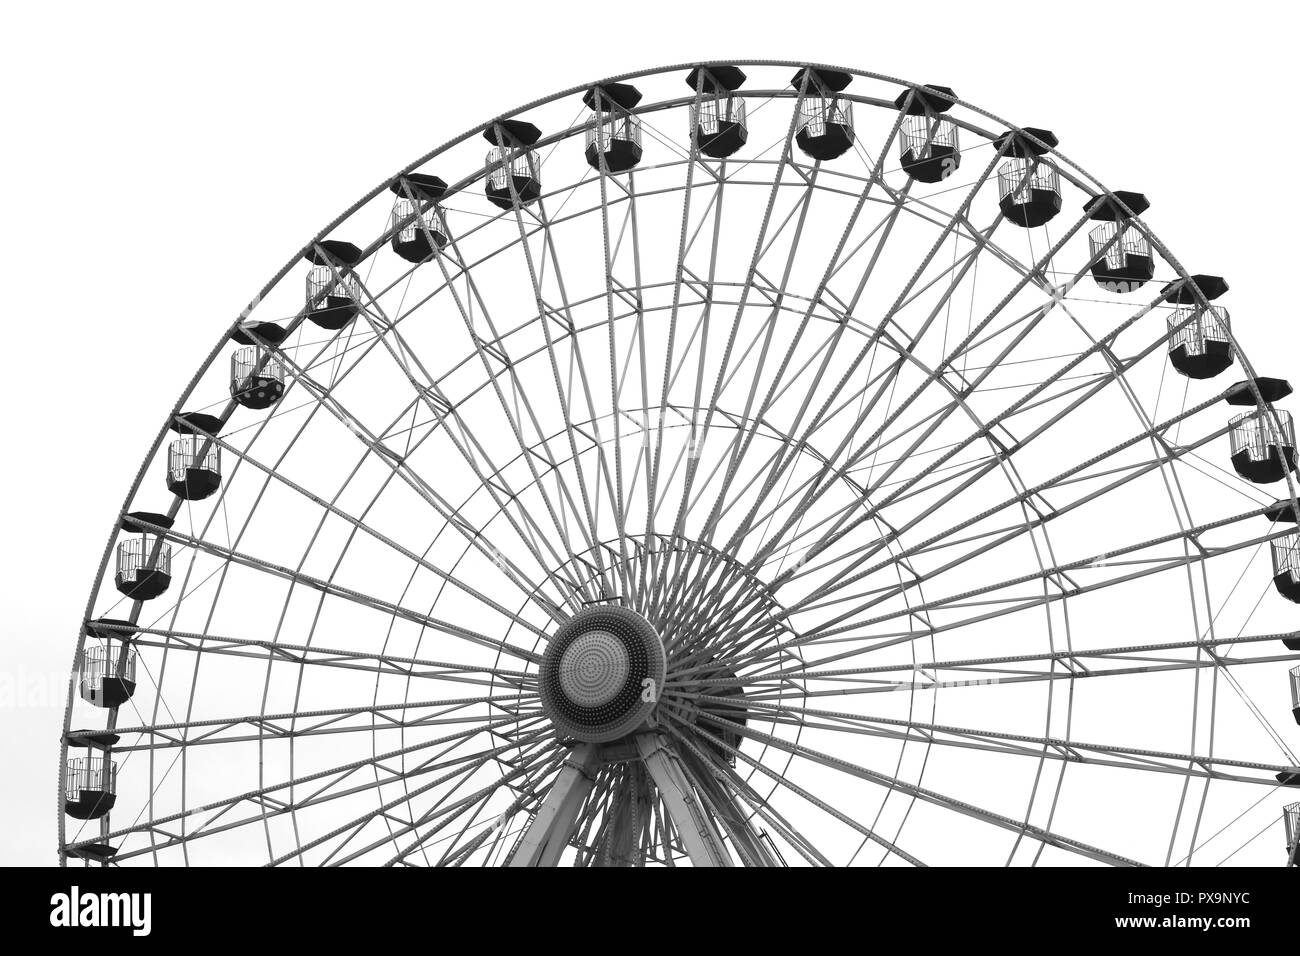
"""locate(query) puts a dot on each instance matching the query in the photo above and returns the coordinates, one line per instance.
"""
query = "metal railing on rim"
(818, 112)
(253, 363)
(608, 127)
(431, 219)
(137, 554)
(92, 774)
(1015, 180)
(1286, 555)
(526, 165)
(104, 661)
(1130, 243)
(1205, 325)
(1257, 434)
(716, 110)
(321, 282)
(920, 134)
(192, 451)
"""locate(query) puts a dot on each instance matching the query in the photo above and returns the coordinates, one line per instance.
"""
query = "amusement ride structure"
(742, 463)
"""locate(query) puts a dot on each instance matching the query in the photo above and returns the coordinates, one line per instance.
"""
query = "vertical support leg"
(548, 834)
(699, 834)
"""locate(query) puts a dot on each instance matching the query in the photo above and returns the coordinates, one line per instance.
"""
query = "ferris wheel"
(743, 463)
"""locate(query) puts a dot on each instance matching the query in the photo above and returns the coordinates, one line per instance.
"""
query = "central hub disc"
(594, 669)
(602, 674)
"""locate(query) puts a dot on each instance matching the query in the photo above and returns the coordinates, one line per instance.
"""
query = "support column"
(700, 836)
(548, 834)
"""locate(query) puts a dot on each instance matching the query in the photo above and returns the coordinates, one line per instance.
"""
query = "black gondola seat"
(614, 133)
(513, 168)
(106, 666)
(1185, 291)
(89, 785)
(256, 378)
(333, 292)
(194, 459)
(1248, 393)
(1281, 510)
(93, 852)
(1200, 344)
(930, 150)
(107, 673)
(1263, 450)
(111, 628)
(1242, 394)
(1121, 255)
(143, 564)
(1029, 187)
(718, 122)
(254, 333)
(1286, 558)
(824, 129)
(418, 234)
(95, 739)
(1295, 693)
(421, 187)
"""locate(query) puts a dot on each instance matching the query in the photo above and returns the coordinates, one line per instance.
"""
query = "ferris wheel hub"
(602, 674)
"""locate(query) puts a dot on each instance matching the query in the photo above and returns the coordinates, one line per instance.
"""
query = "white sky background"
(162, 163)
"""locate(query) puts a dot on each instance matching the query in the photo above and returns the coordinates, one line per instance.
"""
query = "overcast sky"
(163, 161)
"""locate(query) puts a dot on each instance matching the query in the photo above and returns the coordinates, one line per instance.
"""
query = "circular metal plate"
(602, 673)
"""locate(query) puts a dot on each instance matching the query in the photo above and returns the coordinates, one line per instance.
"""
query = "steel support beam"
(548, 834)
(699, 835)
